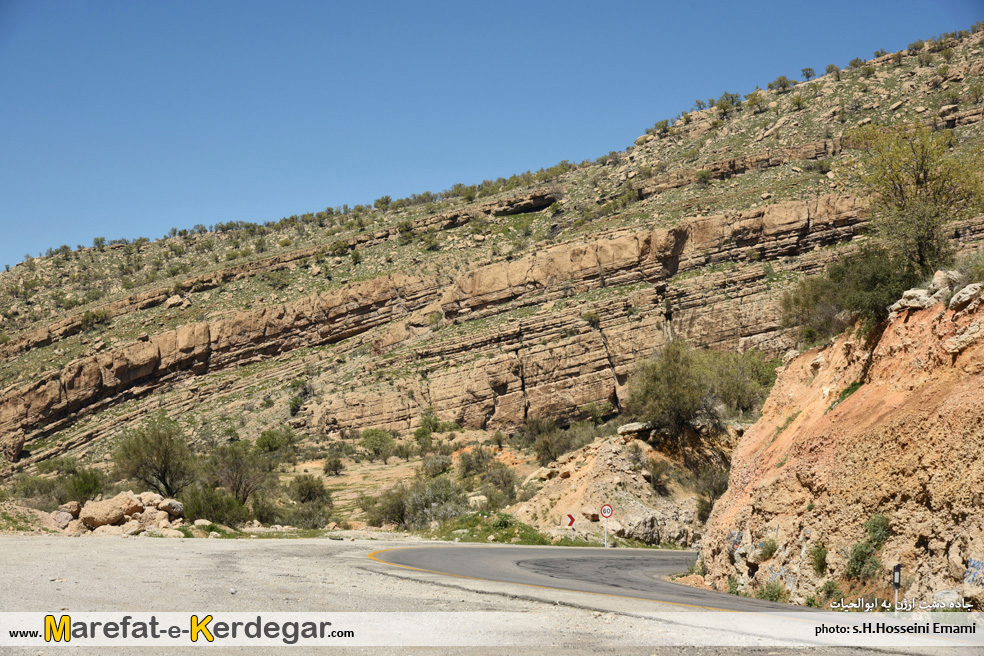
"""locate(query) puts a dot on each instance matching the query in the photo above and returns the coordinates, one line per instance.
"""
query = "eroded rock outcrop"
(908, 443)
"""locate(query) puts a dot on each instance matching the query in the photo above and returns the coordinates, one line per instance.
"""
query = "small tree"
(754, 101)
(798, 102)
(918, 183)
(156, 454)
(240, 469)
(832, 69)
(808, 74)
(671, 391)
(782, 84)
(334, 466)
(377, 443)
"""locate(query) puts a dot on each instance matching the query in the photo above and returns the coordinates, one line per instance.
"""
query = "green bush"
(416, 505)
(864, 284)
(435, 465)
(92, 318)
(768, 548)
(879, 529)
(214, 504)
(711, 483)
(26, 486)
(309, 515)
(475, 461)
(81, 486)
(671, 391)
(306, 489)
(817, 555)
(772, 591)
(830, 590)
(592, 319)
(240, 467)
(862, 563)
(732, 584)
(703, 178)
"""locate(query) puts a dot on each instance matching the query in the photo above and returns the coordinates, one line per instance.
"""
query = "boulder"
(202, 522)
(150, 499)
(913, 299)
(62, 519)
(108, 529)
(964, 297)
(110, 511)
(133, 527)
(76, 527)
(944, 280)
(173, 507)
(171, 533)
(72, 508)
(173, 302)
(635, 427)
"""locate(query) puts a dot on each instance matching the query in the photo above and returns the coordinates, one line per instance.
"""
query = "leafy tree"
(755, 102)
(334, 466)
(279, 441)
(782, 84)
(240, 468)
(670, 391)
(377, 443)
(727, 103)
(808, 74)
(832, 69)
(918, 183)
(699, 105)
(856, 63)
(798, 102)
(156, 454)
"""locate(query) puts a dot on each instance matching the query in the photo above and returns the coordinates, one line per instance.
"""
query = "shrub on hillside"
(214, 504)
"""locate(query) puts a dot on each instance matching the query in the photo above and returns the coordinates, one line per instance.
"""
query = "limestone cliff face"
(908, 443)
(547, 362)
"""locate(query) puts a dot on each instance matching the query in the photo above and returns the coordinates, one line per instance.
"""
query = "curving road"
(636, 574)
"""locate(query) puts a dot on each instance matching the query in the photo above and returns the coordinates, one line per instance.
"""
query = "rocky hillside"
(850, 432)
(527, 297)
(531, 296)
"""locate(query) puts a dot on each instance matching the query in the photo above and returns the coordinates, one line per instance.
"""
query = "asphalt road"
(637, 573)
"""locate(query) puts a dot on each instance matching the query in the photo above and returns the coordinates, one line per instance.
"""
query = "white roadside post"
(606, 512)
(570, 522)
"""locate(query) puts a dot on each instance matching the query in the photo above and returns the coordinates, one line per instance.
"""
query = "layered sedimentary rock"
(537, 336)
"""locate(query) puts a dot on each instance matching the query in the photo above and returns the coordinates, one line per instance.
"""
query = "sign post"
(570, 522)
(606, 512)
(897, 583)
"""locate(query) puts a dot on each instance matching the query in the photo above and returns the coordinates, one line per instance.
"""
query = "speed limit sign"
(606, 512)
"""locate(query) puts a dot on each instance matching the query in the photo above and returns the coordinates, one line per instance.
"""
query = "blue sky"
(127, 118)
